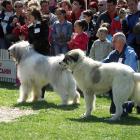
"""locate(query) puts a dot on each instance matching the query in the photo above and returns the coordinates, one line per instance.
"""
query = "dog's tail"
(137, 88)
(137, 77)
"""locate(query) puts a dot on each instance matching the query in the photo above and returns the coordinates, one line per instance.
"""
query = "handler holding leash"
(122, 53)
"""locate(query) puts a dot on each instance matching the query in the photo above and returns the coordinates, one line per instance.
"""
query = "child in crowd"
(101, 47)
(61, 32)
(79, 38)
(88, 16)
(108, 26)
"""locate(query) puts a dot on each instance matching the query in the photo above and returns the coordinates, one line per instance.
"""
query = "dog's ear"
(18, 55)
(74, 57)
(71, 58)
(11, 51)
(15, 53)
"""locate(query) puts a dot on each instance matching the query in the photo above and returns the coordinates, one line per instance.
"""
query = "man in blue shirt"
(122, 53)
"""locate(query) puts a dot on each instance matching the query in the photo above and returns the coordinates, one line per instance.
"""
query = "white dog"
(35, 70)
(94, 78)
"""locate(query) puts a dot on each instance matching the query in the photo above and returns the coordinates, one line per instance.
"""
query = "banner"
(7, 69)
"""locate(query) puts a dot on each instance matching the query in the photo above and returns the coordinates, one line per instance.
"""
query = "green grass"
(63, 123)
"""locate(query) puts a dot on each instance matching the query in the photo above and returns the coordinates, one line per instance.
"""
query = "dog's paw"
(72, 103)
(112, 119)
(31, 100)
(19, 101)
(41, 99)
(64, 103)
(84, 116)
(76, 102)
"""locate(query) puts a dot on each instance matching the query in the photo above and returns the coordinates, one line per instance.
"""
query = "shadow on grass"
(46, 105)
(13, 86)
(8, 86)
(129, 120)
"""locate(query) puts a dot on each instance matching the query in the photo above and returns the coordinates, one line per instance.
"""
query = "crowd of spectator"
(53, 27)
(69, 24)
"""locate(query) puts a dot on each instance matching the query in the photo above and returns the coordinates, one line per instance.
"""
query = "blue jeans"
(2, 44)
(60, 49)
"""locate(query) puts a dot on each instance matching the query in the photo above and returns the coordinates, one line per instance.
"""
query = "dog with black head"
(95, 78)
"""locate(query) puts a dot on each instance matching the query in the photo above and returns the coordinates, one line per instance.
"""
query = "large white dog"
(94, 78)
(35, 70)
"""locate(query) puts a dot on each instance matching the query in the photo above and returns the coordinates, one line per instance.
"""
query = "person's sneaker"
(138, 109)
(125, 113)
(128, 106)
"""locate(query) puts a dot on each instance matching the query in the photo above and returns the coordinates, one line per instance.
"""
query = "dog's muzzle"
(63, 65)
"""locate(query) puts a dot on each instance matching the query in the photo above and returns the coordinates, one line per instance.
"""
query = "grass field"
(63, 123)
